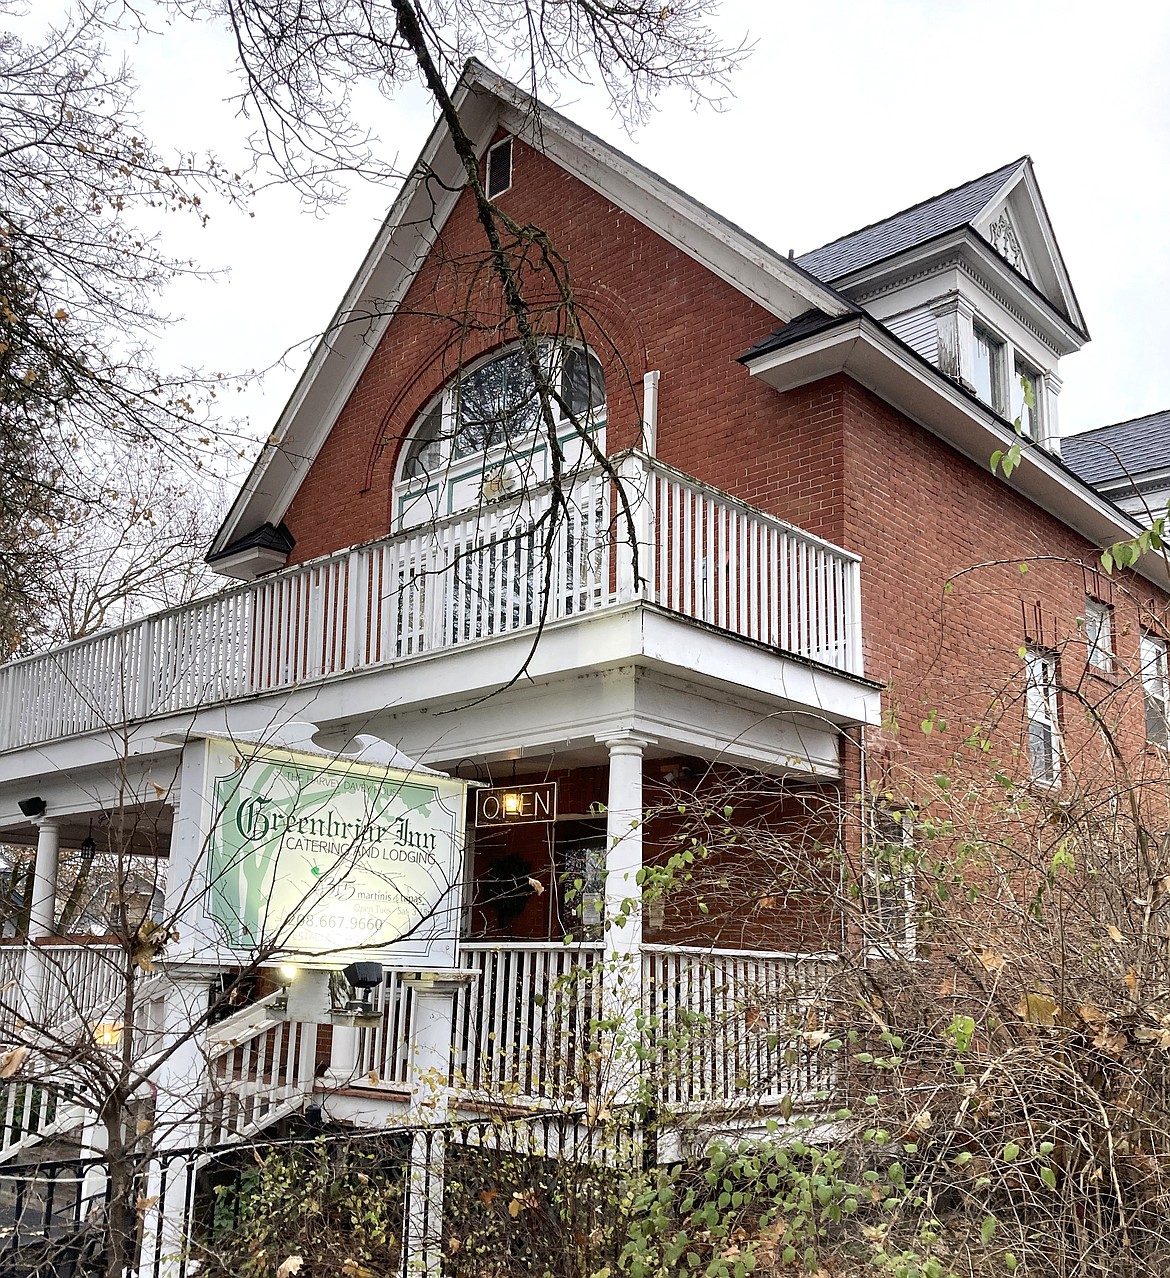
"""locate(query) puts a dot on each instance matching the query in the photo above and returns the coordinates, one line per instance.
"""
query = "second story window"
(988, 368)
(1025, 405)
(1040, 712)
(483, 435)
(1099, 635)
(1156, 690)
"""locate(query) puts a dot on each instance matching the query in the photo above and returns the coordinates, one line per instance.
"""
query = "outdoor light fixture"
(512, 802)
(108, 1033)
(88, 847)
(33, 807)
(361, 980)
(288, 972)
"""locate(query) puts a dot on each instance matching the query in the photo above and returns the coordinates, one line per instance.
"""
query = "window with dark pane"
(496, 404)
(423, 456)
(582, 385)
(499, 168)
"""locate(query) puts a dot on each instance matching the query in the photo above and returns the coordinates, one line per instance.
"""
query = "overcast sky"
(847, 111)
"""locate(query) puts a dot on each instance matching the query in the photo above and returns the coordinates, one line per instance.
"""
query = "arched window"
(483, 437)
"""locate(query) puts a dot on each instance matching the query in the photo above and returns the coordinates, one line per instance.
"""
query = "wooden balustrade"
(730, 1025)
(259, 1069)
(505, 568)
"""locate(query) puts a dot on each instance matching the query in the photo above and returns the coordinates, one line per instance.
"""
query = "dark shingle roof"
(803, 325)
(266, 537)
(1126, 449)
(913, 226)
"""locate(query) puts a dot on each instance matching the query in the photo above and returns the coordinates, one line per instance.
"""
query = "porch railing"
(727, 1025)
(460, 580)
(54, 984)
(521, 1028)
(731, 1025)
(259, 1069)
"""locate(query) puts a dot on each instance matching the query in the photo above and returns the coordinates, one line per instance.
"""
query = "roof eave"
(342, 351)
(876, 359)
(1069, 336)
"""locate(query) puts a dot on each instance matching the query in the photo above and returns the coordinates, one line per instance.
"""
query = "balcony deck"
(461, 583)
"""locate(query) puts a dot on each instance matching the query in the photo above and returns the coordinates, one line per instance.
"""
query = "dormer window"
(483, 435)
(988, 368)
(1025, 407)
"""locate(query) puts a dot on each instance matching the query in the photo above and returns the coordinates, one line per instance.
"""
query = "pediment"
(1015, 224)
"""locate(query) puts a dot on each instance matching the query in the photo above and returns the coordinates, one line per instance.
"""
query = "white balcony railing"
(701, 553)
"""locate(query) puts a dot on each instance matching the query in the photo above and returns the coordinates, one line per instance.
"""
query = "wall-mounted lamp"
(358, 982)
(88, 848)
(33, 807)
(288, 973)
(513, 803)
(108, 1033)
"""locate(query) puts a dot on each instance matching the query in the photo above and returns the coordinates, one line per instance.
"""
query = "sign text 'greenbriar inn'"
(315, 856)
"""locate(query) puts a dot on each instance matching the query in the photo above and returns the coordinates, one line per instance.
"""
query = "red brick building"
(802, 516)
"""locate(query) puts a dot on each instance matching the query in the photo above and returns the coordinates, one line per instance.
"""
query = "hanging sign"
(317, 856)
(516, 804)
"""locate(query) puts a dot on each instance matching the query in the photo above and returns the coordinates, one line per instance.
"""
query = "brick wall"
(922, 515)
(645, 305)
(829, 457)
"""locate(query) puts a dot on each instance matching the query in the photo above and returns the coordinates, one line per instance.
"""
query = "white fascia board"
(416, 217)
(875, 359)
(1040, 214)
(753, 269)
(1037, 215)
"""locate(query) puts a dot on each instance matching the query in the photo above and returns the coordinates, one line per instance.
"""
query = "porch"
(725, 1030)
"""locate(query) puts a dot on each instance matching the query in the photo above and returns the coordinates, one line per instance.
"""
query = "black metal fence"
(211, 1204)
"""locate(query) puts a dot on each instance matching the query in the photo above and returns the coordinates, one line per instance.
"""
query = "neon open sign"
(516, 804)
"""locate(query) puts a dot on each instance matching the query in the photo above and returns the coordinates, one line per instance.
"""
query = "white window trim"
(1002, 353)
(877, 881)
(1099, 637)
(1040, 707)
(1155, 685)
(1037, 378)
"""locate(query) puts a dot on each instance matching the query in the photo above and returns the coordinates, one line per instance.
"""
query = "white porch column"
(180, 1085)
(431, 1039)
(343, 1055)
(621, 990)
(42, 914)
